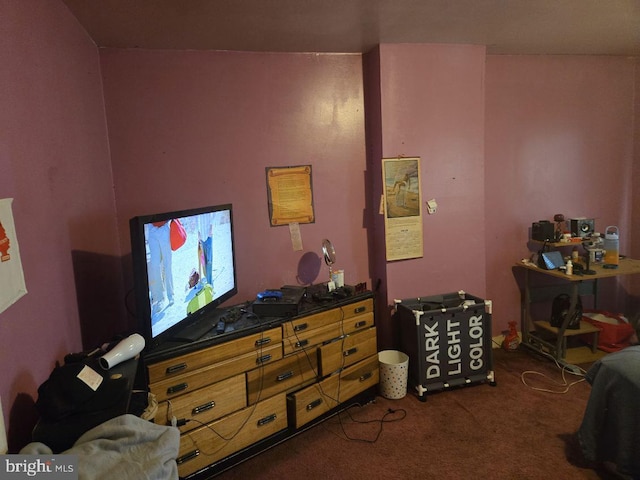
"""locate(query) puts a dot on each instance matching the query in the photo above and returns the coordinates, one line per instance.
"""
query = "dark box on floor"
(448, 340)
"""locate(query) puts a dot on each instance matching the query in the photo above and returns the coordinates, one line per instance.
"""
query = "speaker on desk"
(582, 227)
(543, 231)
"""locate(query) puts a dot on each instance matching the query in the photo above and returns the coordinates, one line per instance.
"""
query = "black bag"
(560, 309)
(64, 394)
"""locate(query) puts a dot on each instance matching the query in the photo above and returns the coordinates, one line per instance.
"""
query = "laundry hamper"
(448, 340)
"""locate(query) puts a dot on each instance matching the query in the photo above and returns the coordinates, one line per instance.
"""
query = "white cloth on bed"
(125, 447)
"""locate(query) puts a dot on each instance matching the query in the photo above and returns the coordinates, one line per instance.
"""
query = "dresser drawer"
(307, 339)
(357, 323)
(205, 404)
(291, 372)
(315, 400)
(347, 351)
(311, 402)
(357, 308)
(202, 377)
(358, 378)
(202, 447)
(217, 353)
(317, 320)
(297, 326)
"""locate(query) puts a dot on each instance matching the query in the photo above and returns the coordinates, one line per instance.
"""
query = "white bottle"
(611, 247)
(569, 267)
(124, 350)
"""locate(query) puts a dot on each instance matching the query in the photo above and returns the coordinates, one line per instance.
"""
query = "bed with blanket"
(610, 429)
(124, 448)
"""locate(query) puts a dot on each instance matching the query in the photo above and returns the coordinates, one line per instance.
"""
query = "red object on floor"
(511, 340)
(615, 332)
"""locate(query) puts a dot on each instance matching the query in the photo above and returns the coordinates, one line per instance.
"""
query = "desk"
(533, 332)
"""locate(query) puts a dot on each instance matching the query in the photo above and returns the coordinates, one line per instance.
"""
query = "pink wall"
(559, 139)
(432, 106)
(499, 150)
(190, 129)
(54, 163)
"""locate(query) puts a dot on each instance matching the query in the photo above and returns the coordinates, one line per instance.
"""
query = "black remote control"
(221, 325)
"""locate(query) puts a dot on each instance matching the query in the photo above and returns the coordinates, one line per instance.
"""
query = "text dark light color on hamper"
(448, 340)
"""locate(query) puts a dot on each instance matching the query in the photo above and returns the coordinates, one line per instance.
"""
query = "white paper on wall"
(12, 285)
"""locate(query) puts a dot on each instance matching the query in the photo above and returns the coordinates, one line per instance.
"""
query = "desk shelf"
(585, 329)
(559, 244)
(539, 335)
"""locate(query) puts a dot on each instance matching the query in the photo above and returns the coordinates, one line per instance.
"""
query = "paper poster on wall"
(12, 285)
(290, 195)
(402, 208)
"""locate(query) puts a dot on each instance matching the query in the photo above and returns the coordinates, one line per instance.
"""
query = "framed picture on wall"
(402, 208)
(290, 195)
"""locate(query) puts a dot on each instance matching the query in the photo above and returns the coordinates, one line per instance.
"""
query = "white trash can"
(394, 371)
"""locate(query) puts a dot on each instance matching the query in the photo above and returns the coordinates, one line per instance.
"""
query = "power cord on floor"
(561, 387)
(402, 413)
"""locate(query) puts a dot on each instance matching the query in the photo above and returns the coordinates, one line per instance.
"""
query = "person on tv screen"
(160, 275)
(205, 244)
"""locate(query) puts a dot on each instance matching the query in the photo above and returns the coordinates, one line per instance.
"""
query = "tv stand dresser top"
(235, 394)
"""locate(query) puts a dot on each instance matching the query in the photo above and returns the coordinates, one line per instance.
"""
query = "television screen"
(184, 267)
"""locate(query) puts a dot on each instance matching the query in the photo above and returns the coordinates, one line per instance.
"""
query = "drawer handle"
(177, 388)
(351, 351)
(362, 323)
(262, 341)
(176, 368)
(366, 376)
(302, 343)
(360, 310)
(189, 456)
(267, 419)
(203, 408)
(284, 376)
(317, 402)
(299, 328)
(264, 358)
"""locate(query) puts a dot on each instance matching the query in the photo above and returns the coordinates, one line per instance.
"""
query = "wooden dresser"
(235, 395)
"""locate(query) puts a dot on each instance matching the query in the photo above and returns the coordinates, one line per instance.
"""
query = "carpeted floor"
(511, 431)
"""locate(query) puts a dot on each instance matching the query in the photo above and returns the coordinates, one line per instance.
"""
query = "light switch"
(432, 206)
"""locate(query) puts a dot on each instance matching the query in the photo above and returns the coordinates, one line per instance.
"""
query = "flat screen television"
(183, 269)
